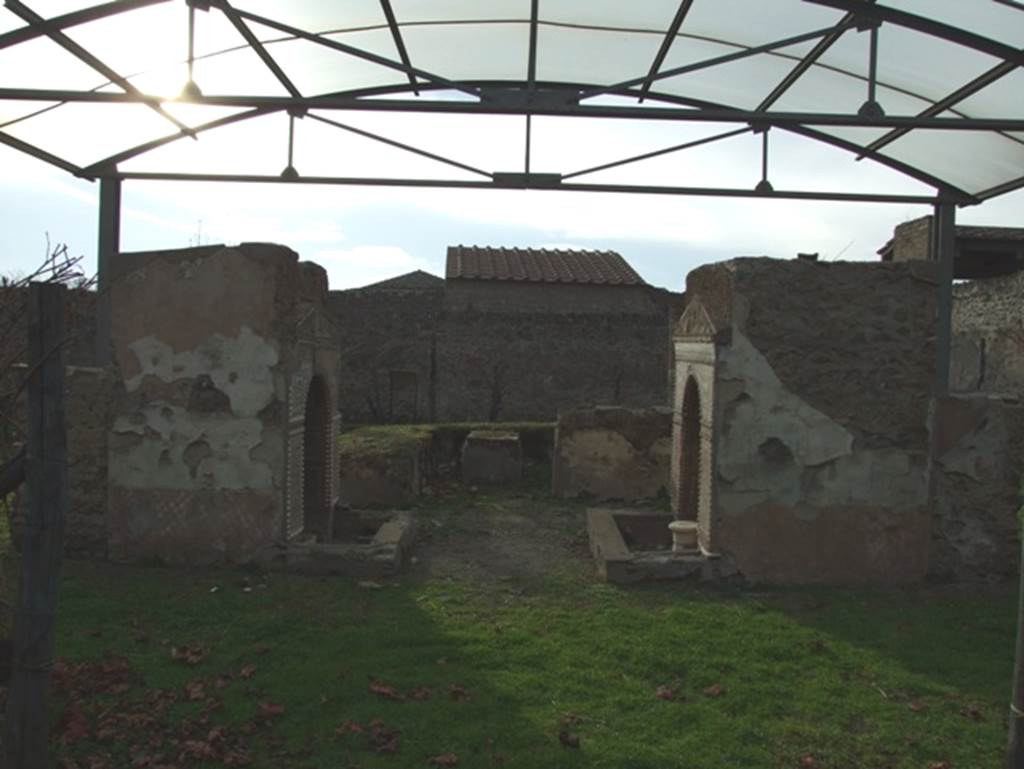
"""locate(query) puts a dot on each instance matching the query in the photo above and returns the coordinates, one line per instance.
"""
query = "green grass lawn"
(490, 673)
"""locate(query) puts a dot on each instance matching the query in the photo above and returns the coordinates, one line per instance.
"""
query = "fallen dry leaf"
(382, 739)
(384, 690)
(419, 693)
(268, 708)
(972, 712)
(568, 739)
(940, 765)
(666, 692)
(809, 762)
(459, 692)
(715, 690)
(194, 690)
(349, 727)
(247, 671)
(190, 654)
(444, 759)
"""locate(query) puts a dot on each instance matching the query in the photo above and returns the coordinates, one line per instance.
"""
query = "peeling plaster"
(823, 469)
(240, 367)
(770, 411)
(225, 463)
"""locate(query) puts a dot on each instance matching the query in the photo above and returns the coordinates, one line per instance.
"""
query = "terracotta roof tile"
(540, 266)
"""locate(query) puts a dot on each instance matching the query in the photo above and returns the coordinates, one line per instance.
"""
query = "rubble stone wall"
(988, 335)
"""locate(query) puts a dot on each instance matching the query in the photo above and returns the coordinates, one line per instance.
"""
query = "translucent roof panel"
(470, 51)
(988, 18)
(319, 17)
(431, 11)
(316, 69)
(565, 55)
(109, 127)
(408, 75)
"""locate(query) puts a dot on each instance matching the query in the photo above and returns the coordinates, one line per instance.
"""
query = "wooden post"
(26, 734)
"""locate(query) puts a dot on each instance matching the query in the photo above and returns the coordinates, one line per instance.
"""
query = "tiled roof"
(415, 280)
(540, 266)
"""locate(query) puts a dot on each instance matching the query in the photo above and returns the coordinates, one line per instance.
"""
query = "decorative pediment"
(695, 325)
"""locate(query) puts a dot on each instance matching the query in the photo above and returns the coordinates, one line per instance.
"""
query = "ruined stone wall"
(88, 393)
(384, 335)
(477, 351)
(988, 335)
(497, 366)
(978, 468)
(613, 453)
(821, 417)
(206, 342)
(556, 298)
(912, 240)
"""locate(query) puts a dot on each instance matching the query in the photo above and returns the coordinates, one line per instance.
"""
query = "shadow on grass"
(318, 647)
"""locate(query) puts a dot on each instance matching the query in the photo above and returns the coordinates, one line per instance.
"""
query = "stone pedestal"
(492, 457)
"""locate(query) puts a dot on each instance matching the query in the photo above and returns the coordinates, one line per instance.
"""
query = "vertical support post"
(943, 251)
(26, 734)
(108, 247)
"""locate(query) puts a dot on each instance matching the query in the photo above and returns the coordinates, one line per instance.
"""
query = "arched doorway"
(316, 460)
(689, 470)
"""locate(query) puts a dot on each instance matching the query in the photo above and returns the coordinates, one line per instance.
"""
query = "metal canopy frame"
(531, 98)
(639, 98)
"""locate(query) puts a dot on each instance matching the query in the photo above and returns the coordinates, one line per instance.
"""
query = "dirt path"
(500, 537)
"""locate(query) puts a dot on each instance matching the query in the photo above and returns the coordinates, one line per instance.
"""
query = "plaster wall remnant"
(612, 452)
(216, 348)
(813, 381)
(978, 471)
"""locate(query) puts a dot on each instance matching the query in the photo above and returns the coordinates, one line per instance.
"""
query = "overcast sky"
(363, 235)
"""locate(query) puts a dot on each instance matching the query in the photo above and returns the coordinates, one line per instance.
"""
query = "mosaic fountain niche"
(633, 545)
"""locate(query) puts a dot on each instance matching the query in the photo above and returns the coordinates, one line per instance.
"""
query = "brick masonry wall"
(988, 335)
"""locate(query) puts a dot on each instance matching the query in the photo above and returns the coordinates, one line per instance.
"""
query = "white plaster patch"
(226, 465)
(771, 411)
(239, 367)
(823, 470)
